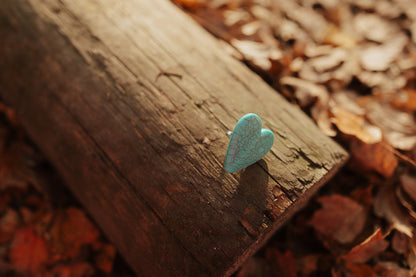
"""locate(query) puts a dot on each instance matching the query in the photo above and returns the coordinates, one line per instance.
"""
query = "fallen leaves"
(9, 223)
(340, 218)
(368, 249)
(28, 251)
(386, 205)
(377, 157)
(72, 230)
(37, 239)
(351, 124)
(380, 57)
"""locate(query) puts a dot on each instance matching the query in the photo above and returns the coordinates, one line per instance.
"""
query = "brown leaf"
(191, 4)
(254, 267)
(383, 81)
(355, 125)
(336, 36)
(104, 259)
(308, 264)
(373, 27)
(79, 269)
(411, 257)
(387, 206)
(4, 201)
(405, 100)
(309, 93)
(391, 269)
(258, 53)
(13, 169)
(9, 223)
(375, 156)
(368, 249)
(408, 183)
(340, 218)
(28, 252)
(71, 230)
(330, 61)
(398, 127)
(379, 57)
(406, 202)
(363, 195)
(284, 264)
(400, 243)
(358, 270)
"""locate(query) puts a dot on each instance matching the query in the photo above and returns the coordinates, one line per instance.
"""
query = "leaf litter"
(43, 230)
(350, 65)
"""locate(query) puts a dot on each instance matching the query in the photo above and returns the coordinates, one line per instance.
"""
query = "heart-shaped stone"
(248, 143)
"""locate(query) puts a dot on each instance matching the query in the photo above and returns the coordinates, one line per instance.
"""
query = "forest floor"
(351, 65)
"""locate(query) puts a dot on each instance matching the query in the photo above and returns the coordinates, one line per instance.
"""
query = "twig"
(167, 73)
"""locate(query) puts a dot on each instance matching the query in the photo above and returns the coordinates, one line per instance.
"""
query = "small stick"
(398, 154)
(167, 73)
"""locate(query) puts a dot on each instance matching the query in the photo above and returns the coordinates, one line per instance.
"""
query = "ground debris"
(43, 230)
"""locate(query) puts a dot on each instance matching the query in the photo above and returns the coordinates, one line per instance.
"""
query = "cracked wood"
(120, 96)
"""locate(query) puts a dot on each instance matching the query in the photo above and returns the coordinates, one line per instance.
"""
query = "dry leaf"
(373, 27)
(347, 100)
(405, 100)
(340, 218)
(284, 264)
(379, 57)
(9, 223)
(336, 36)
(377, 156)
(391, 269)
(381, 80)
(363, 194)
(78, 269)
(400, 243)
(408, 183)
(191, 4)
(312, 22)
(71, 230)
(355, 125)
(368, 249)
(13, 169)
(358, 270)
(254, 267)
(386, 205)
(398, 127)
(4, 201)
(308, 264)
(232, 17)
(388, 9)
(104, 259)
(258, 53)
(330, 61)
(28, 252)
(411, 257)
(307, 93)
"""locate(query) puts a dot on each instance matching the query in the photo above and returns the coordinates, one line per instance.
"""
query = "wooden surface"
(83, 78)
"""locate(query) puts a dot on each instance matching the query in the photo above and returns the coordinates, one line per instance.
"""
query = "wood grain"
(89, 81)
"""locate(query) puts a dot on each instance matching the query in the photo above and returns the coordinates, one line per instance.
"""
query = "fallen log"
(131, 101)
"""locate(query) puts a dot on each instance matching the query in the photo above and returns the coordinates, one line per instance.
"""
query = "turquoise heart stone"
(248, 143)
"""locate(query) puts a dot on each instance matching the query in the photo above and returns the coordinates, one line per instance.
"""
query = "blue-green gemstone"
(248, 143)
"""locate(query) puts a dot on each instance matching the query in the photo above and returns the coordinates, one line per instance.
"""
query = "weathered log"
(143, 149)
